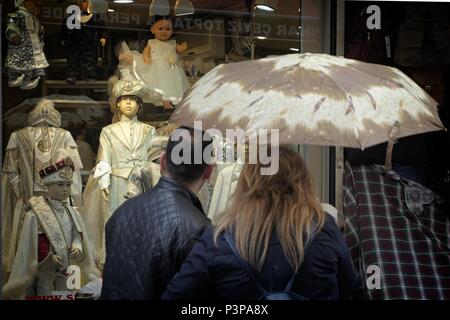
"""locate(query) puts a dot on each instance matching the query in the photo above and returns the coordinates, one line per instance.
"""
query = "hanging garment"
(82, 44)
(396, 225)
(27, 56)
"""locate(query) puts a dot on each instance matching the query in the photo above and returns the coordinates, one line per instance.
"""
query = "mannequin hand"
(103, 42)
(57, 261)
(75, 252)
(93, 288)
(15, 40)
(105, 194)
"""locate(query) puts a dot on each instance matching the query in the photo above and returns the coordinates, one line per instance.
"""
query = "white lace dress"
(164, 77)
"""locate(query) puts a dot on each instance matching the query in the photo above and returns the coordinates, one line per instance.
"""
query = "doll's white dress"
(164, 77)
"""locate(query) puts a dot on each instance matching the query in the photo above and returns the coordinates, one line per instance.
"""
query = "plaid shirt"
(396, 225)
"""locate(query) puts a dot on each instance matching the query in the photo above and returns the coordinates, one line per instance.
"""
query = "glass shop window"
(413, 37)
(83, 66)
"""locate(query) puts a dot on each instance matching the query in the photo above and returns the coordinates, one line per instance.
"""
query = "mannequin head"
(126, 98)
(58, 176)
(59, 191)
(162, 30)
(129, 105)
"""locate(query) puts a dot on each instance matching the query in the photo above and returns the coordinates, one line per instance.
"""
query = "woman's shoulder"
(330, 230)
(208, 238)
(208, 234)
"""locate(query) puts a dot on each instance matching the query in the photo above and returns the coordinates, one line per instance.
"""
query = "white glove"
(92, 289)
(102, 173)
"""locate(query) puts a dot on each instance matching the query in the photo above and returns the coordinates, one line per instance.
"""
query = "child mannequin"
(25, 58)
(162, 73)
(123, 149)
(53, 238)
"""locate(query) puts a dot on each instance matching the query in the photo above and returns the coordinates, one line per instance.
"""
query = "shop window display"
(217, 33)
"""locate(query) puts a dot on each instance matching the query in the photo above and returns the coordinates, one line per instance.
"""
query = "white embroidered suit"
(123, 149)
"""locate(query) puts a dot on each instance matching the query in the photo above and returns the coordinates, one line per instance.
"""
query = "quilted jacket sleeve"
(187, 245)
(194, 277)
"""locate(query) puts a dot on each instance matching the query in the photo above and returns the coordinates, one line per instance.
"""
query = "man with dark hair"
(197, 157)
(149, 236)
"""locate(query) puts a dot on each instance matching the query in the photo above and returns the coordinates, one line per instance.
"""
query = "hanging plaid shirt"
(395, 226)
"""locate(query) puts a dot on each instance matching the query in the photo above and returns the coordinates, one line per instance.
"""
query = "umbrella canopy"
(312, 99)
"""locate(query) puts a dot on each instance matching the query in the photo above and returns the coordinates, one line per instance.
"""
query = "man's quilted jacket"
(147, 239)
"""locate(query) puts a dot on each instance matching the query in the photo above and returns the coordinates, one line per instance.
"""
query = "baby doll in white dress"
(161, 72)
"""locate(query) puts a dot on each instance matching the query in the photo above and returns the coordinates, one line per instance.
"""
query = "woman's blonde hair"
(284, 203)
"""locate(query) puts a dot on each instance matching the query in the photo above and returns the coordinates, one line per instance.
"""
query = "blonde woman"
(280, 230)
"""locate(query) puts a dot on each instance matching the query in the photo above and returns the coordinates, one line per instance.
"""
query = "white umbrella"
(312, 99)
